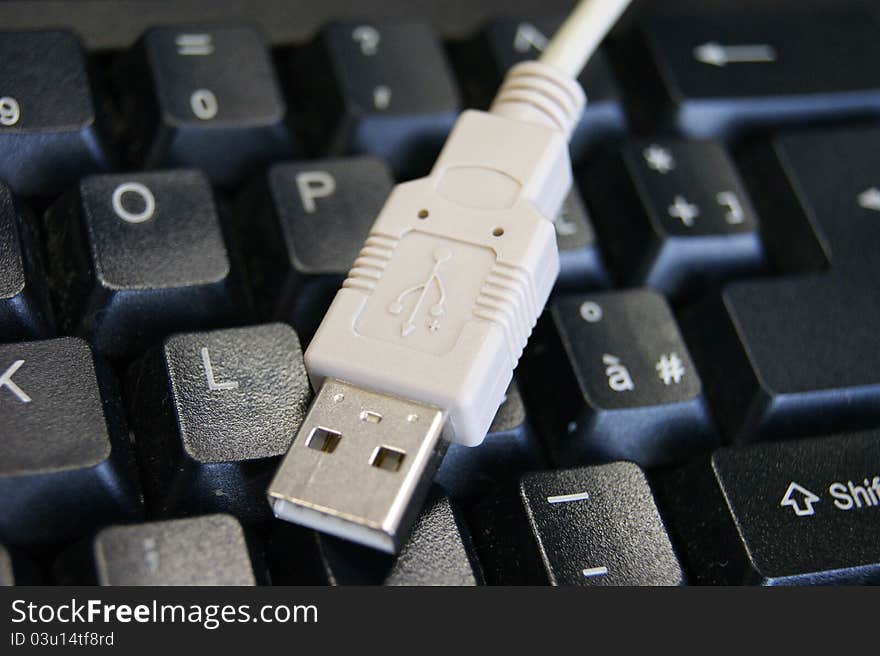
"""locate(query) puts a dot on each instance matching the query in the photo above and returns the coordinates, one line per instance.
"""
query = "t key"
(599, 526)
(65, 461)
(49, 134)
(24, 307)
(613, 380)
(212, 413)
(378, 88)
(301, 229)
(798, 355)
(204, 98)
(796, 512)
(719, 75)
(135, 257)
(678, 217)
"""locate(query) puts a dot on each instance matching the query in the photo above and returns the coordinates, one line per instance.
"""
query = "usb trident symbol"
(441, 255)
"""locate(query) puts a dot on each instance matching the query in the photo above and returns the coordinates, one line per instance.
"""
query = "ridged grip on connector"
(539, 93)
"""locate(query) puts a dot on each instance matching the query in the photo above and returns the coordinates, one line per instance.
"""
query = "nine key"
(24, 307)
(382, 89)
(302, 227)
(204, 98)
(788, 513)
(201, 551)
(678, 216)
(48, 122)
(137, 256)
(717, 76)
(65, 461)
(599, 526)
(613, 380)
(212, 413)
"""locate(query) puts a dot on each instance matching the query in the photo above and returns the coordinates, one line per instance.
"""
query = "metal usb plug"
(360, 465)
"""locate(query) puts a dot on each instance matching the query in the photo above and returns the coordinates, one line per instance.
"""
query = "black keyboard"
(183, 188)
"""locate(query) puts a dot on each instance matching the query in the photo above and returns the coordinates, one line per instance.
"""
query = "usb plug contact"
(360, 466)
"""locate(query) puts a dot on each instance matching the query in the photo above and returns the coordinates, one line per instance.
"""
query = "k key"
(65, 460)
(137, 256)
(204, 98)
(49, 133)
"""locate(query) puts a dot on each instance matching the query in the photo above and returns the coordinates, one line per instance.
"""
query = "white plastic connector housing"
(458, 266)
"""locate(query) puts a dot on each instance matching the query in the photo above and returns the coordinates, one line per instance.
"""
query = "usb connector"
(360, 465)
(435, 313)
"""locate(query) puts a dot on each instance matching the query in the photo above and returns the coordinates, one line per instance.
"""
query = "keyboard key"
(212, 413)
(49, 133)
(24, 306)
(438, 552)
(201, 551)
(599, 526)
(510, 449)
(205, 98)
(580, 262)
(7, 577)
(716, 76)
(798, 355)
(796, 512)
(362, 86)
(302, 227)
(65, 461)
(483, 64)
(679, 217)
(611, 379)
(137, 256)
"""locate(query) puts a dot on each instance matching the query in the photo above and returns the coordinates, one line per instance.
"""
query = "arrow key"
(718, 76)
(788, 513)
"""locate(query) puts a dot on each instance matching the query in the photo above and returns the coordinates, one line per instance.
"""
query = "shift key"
(797, 512)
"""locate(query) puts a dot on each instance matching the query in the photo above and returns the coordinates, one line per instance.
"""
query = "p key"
(65, 461)
(49, 134)
(204, 98)
(383, 89)
(135, 257)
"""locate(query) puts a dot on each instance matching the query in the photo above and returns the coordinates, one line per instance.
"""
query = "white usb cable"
(420, 344)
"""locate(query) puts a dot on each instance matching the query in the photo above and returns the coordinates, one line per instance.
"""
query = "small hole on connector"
(423, 214)
(371, 417)
(387, 458)
(497, 232)
(323, 439)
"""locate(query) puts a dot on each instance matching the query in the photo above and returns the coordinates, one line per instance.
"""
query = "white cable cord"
(581, 33)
